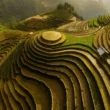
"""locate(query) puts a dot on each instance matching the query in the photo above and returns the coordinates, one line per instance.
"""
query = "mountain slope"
(16, 10)
(62, 14)
(12, 11)
(55, 70)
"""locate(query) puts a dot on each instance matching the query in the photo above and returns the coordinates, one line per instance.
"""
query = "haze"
(107, 4)
(91, 8)
(86, 8)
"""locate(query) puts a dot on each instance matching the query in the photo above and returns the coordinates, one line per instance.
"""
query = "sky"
(105, 0)
(107, 4)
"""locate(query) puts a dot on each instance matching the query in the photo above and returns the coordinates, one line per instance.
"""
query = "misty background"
(16, 10)
(86, 8)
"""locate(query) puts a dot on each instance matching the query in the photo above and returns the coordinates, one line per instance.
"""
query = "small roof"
(101, 50)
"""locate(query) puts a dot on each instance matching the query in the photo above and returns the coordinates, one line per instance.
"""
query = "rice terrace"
(61, 68)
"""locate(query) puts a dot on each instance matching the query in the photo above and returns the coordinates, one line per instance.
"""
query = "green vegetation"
(61, 14)
(93, 23)
(102, 20)
(13, 11)
(82, 40)
(66, 6)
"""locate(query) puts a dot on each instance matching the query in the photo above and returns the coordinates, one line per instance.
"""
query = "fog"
(86, 8)
(90, 8)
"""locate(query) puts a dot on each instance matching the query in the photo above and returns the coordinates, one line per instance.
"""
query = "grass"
(54, 19)
(104, 19)
(76, 40)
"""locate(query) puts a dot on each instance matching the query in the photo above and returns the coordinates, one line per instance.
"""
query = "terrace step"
(25, 94)
(2, 103)
(53, 89)
(5, 99)
(17, 96)
(14, 103)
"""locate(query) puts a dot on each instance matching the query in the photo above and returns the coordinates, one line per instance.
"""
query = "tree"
(60, 6)
(66, 6)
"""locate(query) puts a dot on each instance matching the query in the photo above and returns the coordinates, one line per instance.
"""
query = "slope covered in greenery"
(100, 21)
(12, 11)
(64, 13)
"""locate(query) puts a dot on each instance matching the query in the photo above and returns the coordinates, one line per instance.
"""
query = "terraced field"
(78, 28)
(55, 70)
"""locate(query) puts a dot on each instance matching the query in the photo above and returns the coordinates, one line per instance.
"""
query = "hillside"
(65, 68)
(64, 13)
(13, 11)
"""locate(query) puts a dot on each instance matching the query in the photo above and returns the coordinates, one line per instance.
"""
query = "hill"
(64, 13)
(13, 11)
(65, 68)
(86, 8)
